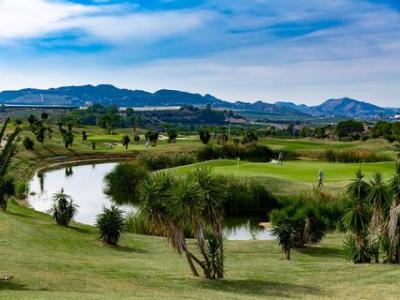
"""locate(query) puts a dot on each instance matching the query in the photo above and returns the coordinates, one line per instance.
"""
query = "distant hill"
(109, 95)
(106, 95)
(350, 108)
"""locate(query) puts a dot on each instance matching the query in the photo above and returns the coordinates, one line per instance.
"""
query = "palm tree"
(7, 187)
(394, 218)
(357, 218)
(63, 209)
(214, 196)
(379, 198)
(286, 236)
(155, 207)
(188, 210)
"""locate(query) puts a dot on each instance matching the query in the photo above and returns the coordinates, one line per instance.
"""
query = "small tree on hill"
(205, 135)
(136, 138)
(28, 143)
(172, 135)
(84, 136)
(152, 136)
(125, 141)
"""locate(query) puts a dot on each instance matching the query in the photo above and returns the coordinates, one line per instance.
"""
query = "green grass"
(48, 261)
(53, 150)
(299, 171)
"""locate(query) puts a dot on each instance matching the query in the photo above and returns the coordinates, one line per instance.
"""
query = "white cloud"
(32, 18)
(27, 19)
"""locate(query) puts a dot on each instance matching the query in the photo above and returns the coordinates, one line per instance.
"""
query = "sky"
(304, 51)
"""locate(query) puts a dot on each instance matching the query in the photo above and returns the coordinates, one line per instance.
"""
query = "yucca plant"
(111, 224)
(213, 254)
(379, 199)
(285, 234)
(63, 209)
(355, 249)
(357, 220)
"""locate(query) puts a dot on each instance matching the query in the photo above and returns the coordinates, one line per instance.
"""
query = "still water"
(85, 185)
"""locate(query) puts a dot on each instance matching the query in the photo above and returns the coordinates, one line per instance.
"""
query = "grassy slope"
(53, 262)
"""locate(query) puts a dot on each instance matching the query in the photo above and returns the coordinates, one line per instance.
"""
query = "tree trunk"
(218, 231)
(191, 265)
(201, 244)
(287, 253)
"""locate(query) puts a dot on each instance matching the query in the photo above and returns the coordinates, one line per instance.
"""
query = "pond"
(85, 184)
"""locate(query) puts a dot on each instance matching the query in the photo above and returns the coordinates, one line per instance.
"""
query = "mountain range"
(109, 95)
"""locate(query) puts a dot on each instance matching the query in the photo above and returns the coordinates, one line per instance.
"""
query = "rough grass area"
(52, 262)
(53, 150)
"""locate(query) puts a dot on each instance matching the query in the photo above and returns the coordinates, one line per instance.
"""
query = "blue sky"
(300, 50)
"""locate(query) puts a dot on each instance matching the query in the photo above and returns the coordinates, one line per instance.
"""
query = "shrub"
(305, 218)
(251, 152)
(123, 181)
(28, 143)
(63, 209)
(136, 223)
(7, 189)
(111, 225)
(22, 189)
(285, 234)
(248, 198)
(361, 254)
(353, 156)
(163, 161)
(205, 135)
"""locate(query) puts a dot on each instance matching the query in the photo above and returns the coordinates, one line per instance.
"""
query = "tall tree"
(7, 187)
(394, 218)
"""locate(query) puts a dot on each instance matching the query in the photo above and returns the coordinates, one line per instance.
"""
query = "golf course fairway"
(301, 171)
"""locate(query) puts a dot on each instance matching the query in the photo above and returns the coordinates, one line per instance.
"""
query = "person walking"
(320, 178)
(280, 158)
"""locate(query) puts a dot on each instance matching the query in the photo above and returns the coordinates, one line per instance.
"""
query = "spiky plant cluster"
(170, 205)
(111, 224)
(373, 219)
(63, 209)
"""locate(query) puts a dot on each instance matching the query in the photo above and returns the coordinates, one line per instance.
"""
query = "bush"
(361, 254)
(285, 234)
(250, 152)
(111, 225)
(28, 143)
(63, 209)
(308, 217)
(123, 181)
(136, 223)
(163, 161)
(352, 156)
(248, 198)
(22, 189)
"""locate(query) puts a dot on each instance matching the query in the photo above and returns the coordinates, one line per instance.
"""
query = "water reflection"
(85, 185)
(245, 229)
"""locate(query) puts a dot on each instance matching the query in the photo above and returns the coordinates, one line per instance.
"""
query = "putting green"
(304, 171)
